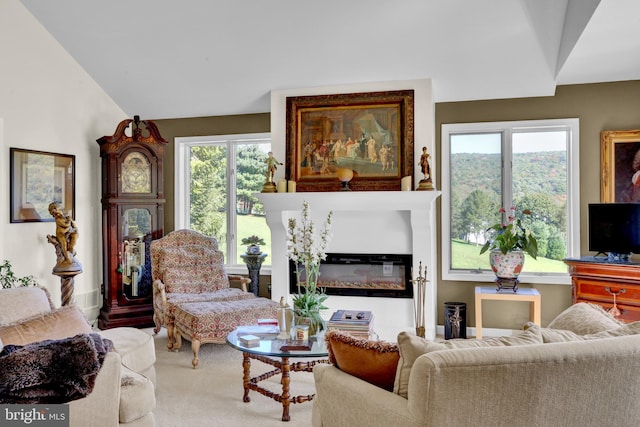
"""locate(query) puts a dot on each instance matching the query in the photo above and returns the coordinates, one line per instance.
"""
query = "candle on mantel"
(405, 183)
(292, 187)
(282, 185)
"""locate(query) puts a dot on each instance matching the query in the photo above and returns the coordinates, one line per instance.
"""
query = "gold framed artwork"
(620, 166)
(370, 133)
(37, 179)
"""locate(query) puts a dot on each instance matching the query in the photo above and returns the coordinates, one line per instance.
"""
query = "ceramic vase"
(506, 266)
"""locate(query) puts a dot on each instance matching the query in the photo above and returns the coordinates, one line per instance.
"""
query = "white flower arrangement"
(307, 248)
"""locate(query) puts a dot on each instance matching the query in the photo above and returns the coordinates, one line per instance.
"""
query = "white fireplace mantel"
(366, 222)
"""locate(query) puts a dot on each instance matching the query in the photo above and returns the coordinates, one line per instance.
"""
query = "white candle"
(405, 183)
(292, 186)
(282, 185)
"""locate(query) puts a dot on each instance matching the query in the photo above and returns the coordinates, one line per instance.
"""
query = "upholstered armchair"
(187, 267)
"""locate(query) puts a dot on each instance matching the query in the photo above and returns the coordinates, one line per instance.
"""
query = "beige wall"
(598, 106)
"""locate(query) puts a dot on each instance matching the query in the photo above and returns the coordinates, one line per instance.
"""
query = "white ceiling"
(191, 58)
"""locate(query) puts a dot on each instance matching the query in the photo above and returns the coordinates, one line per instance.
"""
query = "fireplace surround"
(364, 222)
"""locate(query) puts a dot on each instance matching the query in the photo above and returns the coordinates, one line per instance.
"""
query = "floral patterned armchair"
(187, 267)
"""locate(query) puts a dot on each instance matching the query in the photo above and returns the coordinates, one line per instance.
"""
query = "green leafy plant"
(8, 279)
(253, 240)
(512, 235)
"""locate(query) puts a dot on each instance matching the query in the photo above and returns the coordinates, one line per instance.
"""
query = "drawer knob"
(615, 312)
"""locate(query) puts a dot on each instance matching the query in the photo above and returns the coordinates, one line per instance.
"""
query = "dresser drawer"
(602, 291)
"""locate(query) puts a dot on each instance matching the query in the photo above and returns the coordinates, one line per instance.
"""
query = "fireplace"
(364, 222)
(362, 275)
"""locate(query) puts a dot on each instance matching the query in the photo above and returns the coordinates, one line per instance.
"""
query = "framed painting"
(369, 133)
(38, 178)
(620, 163)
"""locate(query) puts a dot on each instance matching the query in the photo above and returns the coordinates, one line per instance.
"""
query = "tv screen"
(614, 228)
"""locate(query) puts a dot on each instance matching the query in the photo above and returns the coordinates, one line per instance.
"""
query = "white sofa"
(124, 391)
(551, 377)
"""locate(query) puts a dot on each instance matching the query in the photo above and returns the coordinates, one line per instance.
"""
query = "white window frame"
(182, 179)
(573, 194)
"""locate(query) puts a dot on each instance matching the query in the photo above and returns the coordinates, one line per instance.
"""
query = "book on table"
(262, 331)
(355, 322)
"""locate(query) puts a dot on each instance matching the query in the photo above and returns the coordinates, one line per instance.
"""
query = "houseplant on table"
(306, 247)
(508, 243)
(253, 244)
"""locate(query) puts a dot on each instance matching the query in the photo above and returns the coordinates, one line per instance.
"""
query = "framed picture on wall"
(620, 163)
(370, 133)
(37, 179)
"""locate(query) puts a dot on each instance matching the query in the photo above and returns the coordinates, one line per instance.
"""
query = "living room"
(50, 103)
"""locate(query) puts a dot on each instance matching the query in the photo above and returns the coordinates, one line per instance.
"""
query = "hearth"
(362, 275)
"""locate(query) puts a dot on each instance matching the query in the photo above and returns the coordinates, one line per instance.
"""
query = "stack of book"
(356, 323)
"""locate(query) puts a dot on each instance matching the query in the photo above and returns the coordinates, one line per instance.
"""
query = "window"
(216, 179)
(527, 165)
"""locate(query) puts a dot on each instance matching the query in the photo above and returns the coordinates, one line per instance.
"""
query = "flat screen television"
(614, 229)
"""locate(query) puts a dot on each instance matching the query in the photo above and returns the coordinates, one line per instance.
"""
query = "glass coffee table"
(269, 351)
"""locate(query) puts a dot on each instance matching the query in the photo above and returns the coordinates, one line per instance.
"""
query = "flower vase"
(314, 327)
(507, 268)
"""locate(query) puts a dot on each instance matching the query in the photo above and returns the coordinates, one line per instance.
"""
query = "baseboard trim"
(486, 332)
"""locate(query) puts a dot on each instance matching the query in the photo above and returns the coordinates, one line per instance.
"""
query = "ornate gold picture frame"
(620, 166)
(370, 133)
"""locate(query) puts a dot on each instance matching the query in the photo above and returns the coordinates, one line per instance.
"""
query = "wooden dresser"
(596, 281)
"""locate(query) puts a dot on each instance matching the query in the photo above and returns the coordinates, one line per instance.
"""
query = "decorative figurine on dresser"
(132, 216)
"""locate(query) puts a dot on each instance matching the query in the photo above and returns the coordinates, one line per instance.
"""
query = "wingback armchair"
(187, 267)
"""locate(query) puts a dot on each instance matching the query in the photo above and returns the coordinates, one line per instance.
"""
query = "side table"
(523, 294)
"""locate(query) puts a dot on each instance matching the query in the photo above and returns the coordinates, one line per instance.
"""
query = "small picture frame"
(620, 166)
(37, 179)
(369, 133)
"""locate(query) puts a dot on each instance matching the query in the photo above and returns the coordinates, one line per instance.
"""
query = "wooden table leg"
(246, 368)
(286, 380)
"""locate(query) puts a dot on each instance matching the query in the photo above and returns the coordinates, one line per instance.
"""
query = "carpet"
(211, 395)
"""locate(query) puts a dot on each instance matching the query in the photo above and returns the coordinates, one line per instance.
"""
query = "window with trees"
(216, 179)
(526, 165)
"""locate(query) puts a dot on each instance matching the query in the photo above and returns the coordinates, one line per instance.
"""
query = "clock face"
(136, 174)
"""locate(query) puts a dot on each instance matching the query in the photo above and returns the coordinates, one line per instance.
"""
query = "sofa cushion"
(411, 347)
(62, 323)
(137, 396)
(14, 309)
(135, 347)
(558, 335)
(584, 318)
(372, 361)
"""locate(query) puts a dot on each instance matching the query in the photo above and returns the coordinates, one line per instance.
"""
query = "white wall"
(49, 103)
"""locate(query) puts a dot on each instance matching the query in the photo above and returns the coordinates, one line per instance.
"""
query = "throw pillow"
(411, 347)
(559, 335)
(584, 318)
(372, 361)
(62, 323)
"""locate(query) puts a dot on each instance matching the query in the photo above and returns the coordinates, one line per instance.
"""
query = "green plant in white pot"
(508, 242)
(306, 247)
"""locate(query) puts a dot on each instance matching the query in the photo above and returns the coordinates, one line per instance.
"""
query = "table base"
(282, 367)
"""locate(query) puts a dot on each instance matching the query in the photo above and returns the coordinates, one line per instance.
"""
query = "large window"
(527, 165)
(216, 181)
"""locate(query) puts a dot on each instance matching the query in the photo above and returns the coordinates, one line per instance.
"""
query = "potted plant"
(508, 243)
(253, 243)
(8, 279)
(307, 248)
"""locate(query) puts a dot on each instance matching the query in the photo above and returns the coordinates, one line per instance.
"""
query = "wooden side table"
(523, 294)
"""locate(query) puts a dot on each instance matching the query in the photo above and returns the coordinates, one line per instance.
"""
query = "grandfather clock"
(132, 216)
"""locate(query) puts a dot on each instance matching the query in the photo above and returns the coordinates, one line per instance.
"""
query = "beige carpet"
(211, 395)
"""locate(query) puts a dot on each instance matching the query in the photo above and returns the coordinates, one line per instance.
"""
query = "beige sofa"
(124, 392)
(553, 377)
